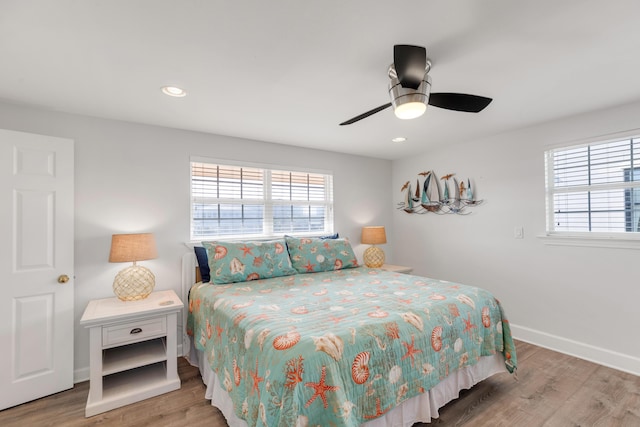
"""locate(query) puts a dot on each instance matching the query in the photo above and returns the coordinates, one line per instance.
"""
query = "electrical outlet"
(518, 232)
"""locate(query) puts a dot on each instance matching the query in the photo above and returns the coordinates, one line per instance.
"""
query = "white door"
(36, 254)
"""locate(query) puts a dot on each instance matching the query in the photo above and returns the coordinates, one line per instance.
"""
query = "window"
(237, 201)
(594, 188)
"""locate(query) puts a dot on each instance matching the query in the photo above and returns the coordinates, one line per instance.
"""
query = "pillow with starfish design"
(231, 262)
(311, 255)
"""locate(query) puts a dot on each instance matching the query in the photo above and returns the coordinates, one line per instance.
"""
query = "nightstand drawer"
(134, 331)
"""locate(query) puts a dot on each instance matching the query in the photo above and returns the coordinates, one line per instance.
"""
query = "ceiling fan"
(410, 88)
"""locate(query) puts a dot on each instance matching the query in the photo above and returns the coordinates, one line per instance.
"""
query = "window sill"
(198, 242)
(607, 241)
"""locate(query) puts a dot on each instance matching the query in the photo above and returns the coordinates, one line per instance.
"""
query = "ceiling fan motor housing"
(409, 103)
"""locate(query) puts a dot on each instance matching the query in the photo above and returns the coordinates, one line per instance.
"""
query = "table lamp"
(134, 282)
(375, 235)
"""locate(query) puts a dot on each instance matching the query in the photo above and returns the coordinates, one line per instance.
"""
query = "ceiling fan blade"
(459, 101)
(365, 115)
(410, 63)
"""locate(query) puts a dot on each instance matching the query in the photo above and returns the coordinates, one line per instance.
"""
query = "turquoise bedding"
(340, 348)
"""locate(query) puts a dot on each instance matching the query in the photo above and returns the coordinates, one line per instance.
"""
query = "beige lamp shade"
(134, 282)
(374, 235)
(132, 247)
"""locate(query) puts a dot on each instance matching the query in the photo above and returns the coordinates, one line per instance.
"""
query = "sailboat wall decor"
(428, 197)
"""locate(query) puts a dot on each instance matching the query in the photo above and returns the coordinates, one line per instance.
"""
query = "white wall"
(579, 300)
(135, 178)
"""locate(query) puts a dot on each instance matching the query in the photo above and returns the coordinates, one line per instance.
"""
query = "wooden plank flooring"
(552, 390)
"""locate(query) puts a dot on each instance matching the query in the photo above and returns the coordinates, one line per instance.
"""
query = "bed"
(329, 342)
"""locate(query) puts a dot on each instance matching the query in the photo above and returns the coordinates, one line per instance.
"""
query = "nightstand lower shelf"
(130, 356)
(149, 380)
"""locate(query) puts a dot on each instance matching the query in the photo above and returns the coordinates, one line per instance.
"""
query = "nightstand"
(397, 268)
(133, 349)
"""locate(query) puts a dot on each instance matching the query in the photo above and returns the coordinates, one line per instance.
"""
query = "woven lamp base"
(134, 283)
(373, 257)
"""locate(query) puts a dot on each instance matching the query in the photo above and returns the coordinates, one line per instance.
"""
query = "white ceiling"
(290, 71)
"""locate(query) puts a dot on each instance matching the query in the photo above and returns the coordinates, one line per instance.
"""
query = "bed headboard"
(189, 266)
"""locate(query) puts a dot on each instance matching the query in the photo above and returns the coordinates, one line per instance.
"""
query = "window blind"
(230, 201)
(594, 187)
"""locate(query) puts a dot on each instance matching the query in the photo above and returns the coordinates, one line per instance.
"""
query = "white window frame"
(268, 232)
(629, 240)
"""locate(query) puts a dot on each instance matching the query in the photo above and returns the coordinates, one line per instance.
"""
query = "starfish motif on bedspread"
(468, 326)
(320, 388)
(256, 380)
(411, 350)
(335, 319)
(309, 266)
(379, 411)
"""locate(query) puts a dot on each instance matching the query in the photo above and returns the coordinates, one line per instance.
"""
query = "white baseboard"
(82, 374)
(601, 356)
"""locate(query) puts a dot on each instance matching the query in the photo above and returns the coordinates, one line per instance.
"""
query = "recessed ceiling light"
(174, 91)
(399, 139)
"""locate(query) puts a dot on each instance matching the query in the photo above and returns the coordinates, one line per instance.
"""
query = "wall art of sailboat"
(431, 199)
(431, 194)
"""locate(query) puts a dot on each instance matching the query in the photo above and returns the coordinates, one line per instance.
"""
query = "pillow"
(309, 255)
(329, 236)
(203, 263)
(231, 262)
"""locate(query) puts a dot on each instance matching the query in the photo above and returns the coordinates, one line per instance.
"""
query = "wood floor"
(552, 389)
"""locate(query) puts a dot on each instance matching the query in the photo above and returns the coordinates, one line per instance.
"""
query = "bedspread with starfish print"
(340, 348)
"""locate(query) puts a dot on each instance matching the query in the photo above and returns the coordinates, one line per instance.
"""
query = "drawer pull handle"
(135, 331)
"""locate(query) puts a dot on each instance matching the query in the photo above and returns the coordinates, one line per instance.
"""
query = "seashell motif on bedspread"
(242, 305)
(300, 310)
(457, 346)
(248, 336)
(486, 317)
(360, 368)
(236, 373)
(436, 338)
(378, 314)
(268, 348)
(330, 344)
(395, 373)
(262, 336)
(466, 300)
(413, 319)
(288, 340)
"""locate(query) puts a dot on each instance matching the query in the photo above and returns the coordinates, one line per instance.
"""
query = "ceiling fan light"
(409, 103)
(410, 110)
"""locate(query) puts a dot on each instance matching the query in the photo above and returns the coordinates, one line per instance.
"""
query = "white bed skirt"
(420, 408)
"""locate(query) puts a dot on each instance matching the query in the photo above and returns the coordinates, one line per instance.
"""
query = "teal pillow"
(310, 255)
(231, 262)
